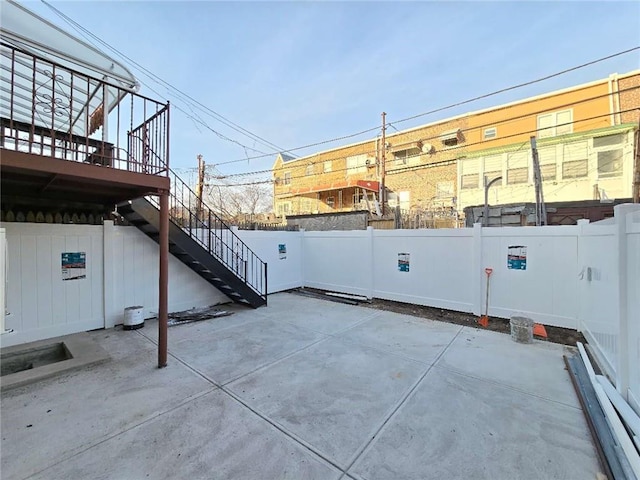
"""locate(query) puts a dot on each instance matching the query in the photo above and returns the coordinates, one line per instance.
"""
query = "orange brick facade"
(423, 164)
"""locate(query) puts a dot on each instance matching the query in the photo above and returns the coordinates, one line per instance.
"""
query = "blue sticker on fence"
(282, 251)
(74, 265)
(517, 257)
(403, 262)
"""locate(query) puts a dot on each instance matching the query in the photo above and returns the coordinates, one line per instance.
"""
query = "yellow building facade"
(585, 137)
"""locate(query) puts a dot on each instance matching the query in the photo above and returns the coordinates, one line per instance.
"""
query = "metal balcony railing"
(51, 110)
(214, 235)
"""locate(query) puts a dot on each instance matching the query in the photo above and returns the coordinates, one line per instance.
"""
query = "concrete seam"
(504, 385)
(276, 361)
(397, 407)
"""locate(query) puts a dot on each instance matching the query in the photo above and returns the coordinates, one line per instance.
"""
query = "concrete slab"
(333, 396)
(55, 418)
(83, 351)
(535, 368)
(212, 437)
(229, 353)
(322, 316)
(458, 427)
(419, 339)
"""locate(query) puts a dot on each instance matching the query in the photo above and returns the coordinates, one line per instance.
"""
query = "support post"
(383, 165)
(487, 185)
(163, 287)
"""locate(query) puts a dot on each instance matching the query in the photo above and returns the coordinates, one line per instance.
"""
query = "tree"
(239, 202)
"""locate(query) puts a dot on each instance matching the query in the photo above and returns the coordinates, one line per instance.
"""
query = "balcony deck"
(68, 137)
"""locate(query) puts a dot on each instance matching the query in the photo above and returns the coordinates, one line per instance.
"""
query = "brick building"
(585, 136)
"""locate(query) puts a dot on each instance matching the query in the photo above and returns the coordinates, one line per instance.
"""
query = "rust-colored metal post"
(163, 287)
(383, 166)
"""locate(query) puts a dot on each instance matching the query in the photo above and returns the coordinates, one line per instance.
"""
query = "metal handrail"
(213, 234)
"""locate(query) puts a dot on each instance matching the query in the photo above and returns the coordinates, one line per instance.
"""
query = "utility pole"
(541, 209)
(383, 165)
(199, 187)
(636, 168)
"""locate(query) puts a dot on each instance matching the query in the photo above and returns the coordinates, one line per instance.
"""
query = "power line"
(514, 87)
(426, 165)
(457, 104)
(510, 119)
(253, 136)
(219, 117)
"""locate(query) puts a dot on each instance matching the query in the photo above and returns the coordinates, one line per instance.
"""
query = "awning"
(65, 101)
(450, 134)
(405, 146)
(370, 185)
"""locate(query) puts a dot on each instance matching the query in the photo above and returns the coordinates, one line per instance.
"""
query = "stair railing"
(204, 226)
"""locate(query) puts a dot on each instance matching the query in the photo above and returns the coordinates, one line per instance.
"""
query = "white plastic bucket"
(133, 318)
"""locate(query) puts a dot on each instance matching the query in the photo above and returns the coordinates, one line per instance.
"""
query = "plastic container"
(521, 329)
(133, 318)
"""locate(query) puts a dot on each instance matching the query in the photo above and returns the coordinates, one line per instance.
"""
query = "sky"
(297, 73)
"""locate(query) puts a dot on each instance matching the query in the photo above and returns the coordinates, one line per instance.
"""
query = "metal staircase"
(203, 242)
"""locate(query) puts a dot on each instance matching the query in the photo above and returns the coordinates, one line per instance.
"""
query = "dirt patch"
(563, 336)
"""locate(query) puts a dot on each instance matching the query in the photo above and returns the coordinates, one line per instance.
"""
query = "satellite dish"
(427, 148)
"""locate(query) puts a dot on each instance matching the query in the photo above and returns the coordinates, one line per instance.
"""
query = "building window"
(469, 173)
(517, 167)
(356, 164)
(575, 163)
(357, 198)
(331, 201)
(493, 169)
(608, 140)
(309, 170)
(402, 157)
(555, 123)
(451, 138)
(610, 163)
(287, 178)
(444, 189)
(327, 166)
(547, 161)
(470, 180)
(284, 208)
(490, 133)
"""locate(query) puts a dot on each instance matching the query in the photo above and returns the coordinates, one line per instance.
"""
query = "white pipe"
(630, 417)
(616, 425)
(587, 362)
(618, 430)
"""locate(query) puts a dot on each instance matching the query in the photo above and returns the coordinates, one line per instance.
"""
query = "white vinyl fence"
(584, 277)
(609, 309)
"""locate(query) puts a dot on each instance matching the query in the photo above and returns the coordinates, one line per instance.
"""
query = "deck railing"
(49, 109)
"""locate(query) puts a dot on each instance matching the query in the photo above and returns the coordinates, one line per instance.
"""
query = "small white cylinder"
(133, 318)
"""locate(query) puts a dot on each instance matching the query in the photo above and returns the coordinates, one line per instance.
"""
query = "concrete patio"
(304, 389)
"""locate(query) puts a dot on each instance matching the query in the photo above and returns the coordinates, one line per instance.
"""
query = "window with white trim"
(470, 173)
(310, 169)
(547, 161)
(610, 154)
(517, 167)
(327, 166)
(575, 160)
(356, 164)
(490, 133)
(555, 123)
(331, 201)
(493, 169)
(287, 178)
